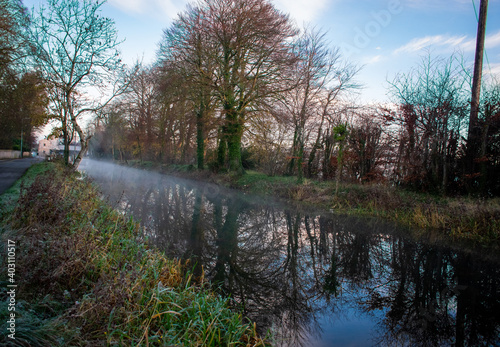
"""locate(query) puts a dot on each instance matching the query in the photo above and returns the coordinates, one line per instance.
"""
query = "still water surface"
(312, 278)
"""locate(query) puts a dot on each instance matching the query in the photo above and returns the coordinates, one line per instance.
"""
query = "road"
(12, 169)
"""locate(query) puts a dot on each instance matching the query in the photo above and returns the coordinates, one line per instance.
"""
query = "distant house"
(55, 147)
(45, 146)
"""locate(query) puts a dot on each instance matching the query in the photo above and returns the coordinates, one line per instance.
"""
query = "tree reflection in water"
(292, 271)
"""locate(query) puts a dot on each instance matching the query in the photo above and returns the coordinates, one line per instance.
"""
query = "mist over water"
(313, 279)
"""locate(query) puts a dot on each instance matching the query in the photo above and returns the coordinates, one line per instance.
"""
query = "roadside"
(12, 169)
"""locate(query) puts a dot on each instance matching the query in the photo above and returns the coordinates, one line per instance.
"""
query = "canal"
(314, 278)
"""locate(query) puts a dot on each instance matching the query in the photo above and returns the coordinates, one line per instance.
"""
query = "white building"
(45, 146)
(55, 147)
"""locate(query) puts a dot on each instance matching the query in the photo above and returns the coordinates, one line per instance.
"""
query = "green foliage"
(23, 108)
(22, 95)
(12, 18)
(189, 318)
(340, 132)
(258, 182)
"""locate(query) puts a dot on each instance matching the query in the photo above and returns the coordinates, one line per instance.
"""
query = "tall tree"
(367, 147)
(252, 44)
(141, 103)
(179, 115)
(22, 94)
(320, 76)
(184, 50)
(75, 48)
(22, 109)
(12, 19)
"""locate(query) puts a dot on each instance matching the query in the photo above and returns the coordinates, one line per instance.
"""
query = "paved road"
(12, 169)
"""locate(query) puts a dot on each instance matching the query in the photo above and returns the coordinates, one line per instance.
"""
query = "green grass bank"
(85, 277)
(474, 221)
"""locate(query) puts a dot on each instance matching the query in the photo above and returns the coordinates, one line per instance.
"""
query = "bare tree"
(267, 137)
(184, 51)
(367, 149)
(140, 102)
(320, 76)
(178, 118)
(432, 116)
(488, 156)
(75, 48)
(110, 134)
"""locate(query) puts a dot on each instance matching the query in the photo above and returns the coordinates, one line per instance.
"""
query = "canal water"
(314, 278)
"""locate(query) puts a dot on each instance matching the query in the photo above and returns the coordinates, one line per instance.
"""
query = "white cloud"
(156, 8)
(134, 6)
(373, 59)
(302, 10)
(421, 43)
(171, 7)
(492, 41)
(447, 42)
(438, 4)
(493, 69)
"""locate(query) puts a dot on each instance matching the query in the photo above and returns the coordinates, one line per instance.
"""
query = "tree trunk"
(65, 142)
(340, 162)
(234, 134)
(310, 161)
(312, 155)
(483, 179)
(84, 143)
(300, 170)
(200, 141)
(291, 165)
(327, 155)
(113, 148)
(66, 148)
(222, 149)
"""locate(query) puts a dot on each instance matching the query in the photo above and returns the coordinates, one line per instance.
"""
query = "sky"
(383, 37)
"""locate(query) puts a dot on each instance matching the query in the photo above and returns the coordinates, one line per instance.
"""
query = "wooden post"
(474, 130)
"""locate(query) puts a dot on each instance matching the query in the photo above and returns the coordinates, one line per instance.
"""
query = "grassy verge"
(85, 278)
(8, 199)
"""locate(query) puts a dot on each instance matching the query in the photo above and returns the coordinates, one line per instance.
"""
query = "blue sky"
(383, 36)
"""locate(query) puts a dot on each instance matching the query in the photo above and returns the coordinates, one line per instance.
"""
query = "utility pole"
(474, 131)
